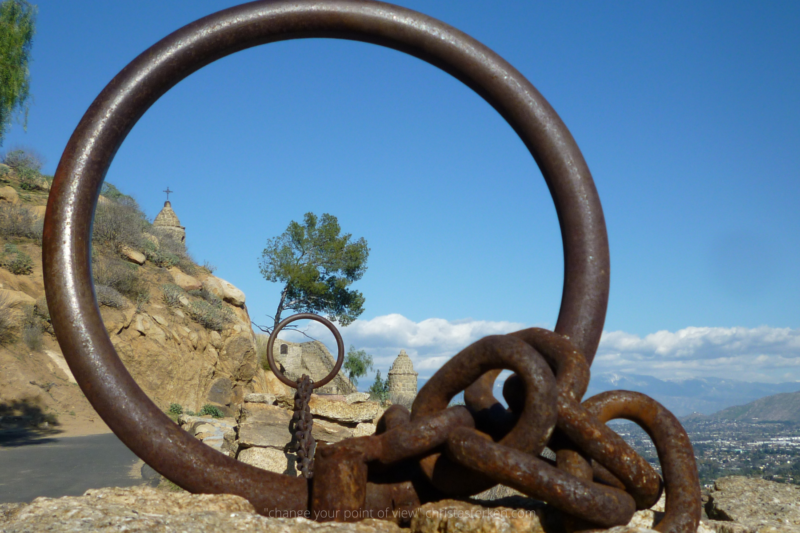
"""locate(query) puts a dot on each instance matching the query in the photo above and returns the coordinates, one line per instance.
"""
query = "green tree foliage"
(16, 38)
(316, 265)
(357, 363)
(380, 389)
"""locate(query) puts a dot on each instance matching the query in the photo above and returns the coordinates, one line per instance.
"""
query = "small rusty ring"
(310, 316)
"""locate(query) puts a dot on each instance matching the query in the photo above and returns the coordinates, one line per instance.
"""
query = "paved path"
(64, 466)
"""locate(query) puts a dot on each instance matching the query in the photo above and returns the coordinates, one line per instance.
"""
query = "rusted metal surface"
(674, 450)
(603, 505)
(437, 450)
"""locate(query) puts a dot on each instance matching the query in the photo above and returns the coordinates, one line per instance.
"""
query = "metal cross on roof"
(168, 191)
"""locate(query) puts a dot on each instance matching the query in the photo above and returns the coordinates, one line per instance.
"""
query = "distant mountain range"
(698, 395)
(706, 396)
(784, 407)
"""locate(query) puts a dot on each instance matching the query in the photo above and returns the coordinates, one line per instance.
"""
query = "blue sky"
(688, 115)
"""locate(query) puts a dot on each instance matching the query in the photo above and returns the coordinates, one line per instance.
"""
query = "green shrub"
(211, 410)
(17, 221)
(171, 294)
(210, 316)
(15, 260)
(175, 409)
(29, 179)
(109, 297)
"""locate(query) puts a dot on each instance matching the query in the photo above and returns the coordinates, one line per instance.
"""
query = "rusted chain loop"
(418, 436)
(588, 434)
(307, 316)
(603, 505)
(567, 363)
(105, 381)
(534, 425)
(674, 450)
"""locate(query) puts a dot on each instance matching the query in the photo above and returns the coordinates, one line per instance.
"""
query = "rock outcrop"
(148, 509)
(176, 360)
(758, 505)
(311, 358)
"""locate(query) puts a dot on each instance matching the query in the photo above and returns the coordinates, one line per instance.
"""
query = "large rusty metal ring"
(310, 316)
(119, 401)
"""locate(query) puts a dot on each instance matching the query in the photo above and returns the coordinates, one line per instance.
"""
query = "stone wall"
(259, 435)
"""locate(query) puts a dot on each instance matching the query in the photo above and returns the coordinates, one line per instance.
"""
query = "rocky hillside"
(778, 407)
(183, 334)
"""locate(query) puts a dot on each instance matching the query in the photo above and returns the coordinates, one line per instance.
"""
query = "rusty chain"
(435, 451)
(302, 425)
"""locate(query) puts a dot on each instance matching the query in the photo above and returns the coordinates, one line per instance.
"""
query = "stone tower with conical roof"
(167, 221)
(402, 378)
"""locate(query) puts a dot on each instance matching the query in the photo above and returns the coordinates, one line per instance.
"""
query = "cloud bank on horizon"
(763, 354)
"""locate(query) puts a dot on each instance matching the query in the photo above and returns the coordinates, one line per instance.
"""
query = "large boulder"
(337, 410)
(268, 426)
(185, 281)
(224, 291)
(8, 194)
(16, 298)
(218, 433)
(132, 255)
(755, 503)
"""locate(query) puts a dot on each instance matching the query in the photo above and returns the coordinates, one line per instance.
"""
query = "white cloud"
(429, 343)
(749, 354)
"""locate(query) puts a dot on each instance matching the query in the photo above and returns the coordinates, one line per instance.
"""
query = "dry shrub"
(210, 316)
(171, 294)
(120, 275)
(261, 350)
(17, 221)
(8, 322)
(119, 224)
(109, 297)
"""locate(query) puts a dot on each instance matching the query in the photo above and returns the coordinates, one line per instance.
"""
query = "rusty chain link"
(435, 451)
(302, 425)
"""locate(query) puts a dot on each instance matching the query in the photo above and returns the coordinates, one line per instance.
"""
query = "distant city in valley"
(753, 448)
